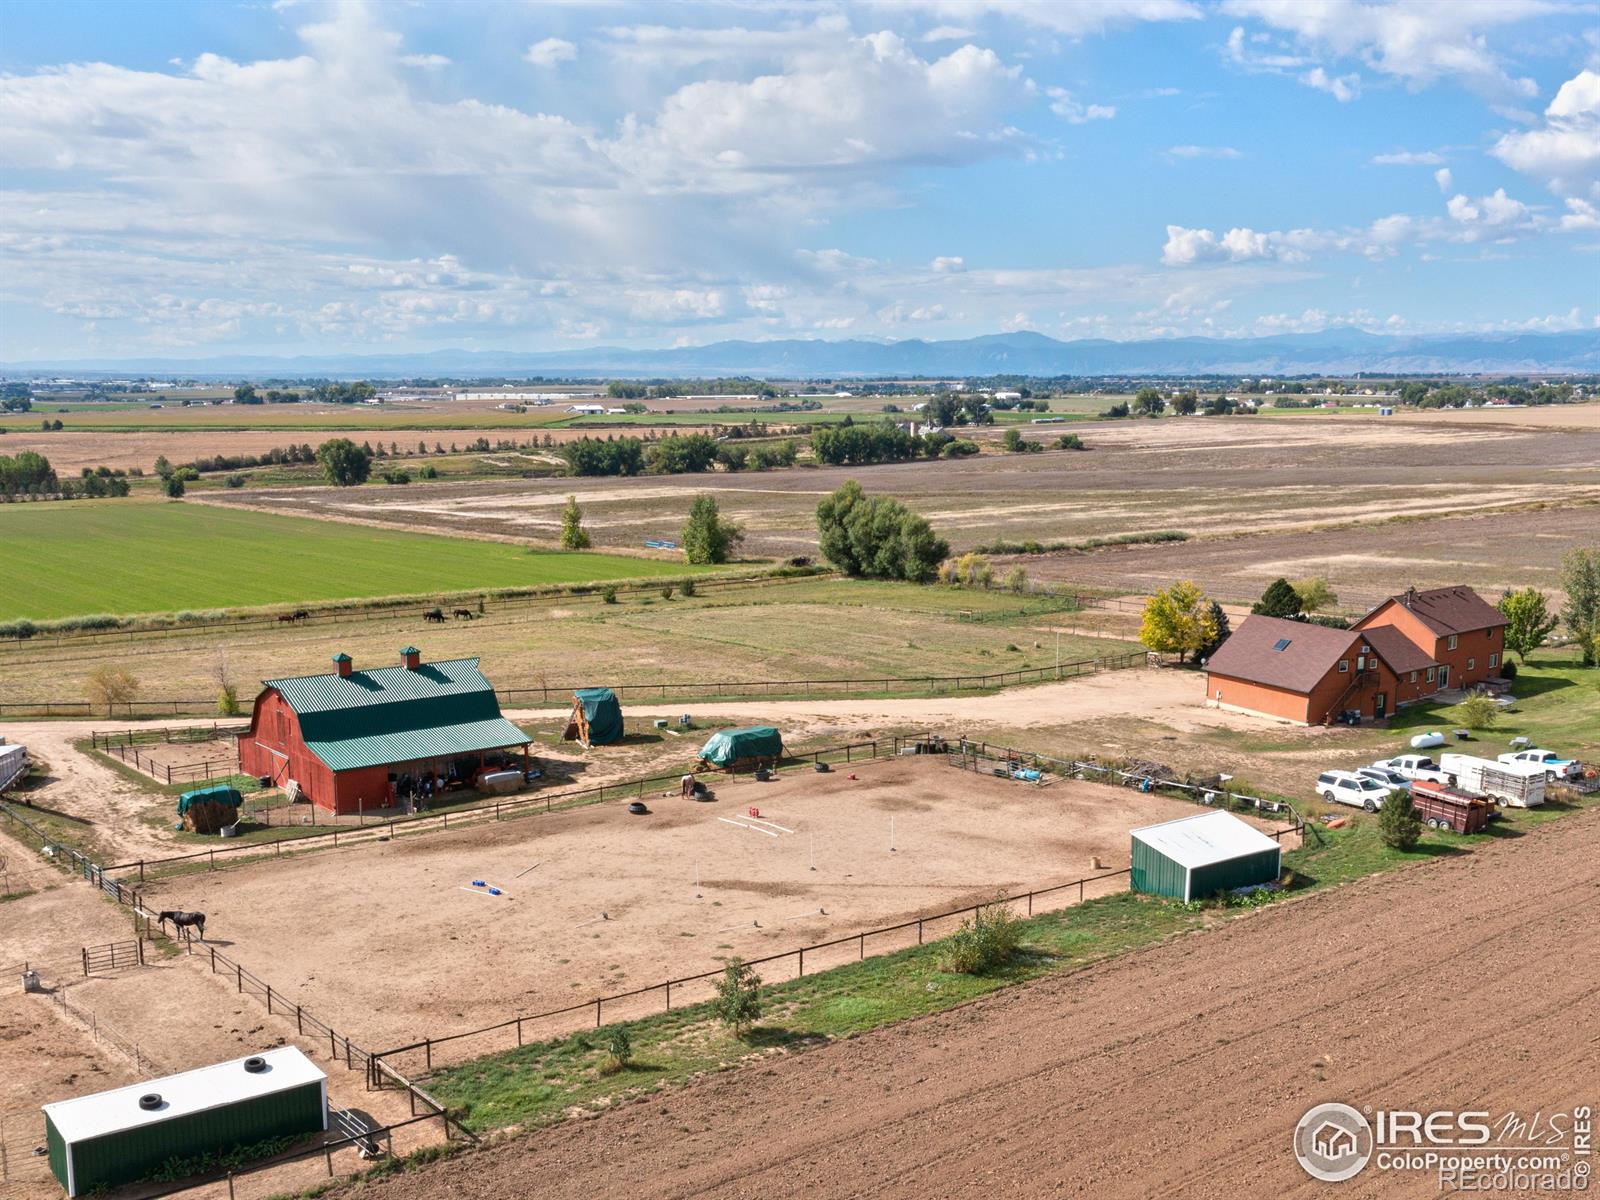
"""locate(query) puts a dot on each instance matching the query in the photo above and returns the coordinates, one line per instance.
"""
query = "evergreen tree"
(1220, 631)
(1279, 600)
(1399, 823)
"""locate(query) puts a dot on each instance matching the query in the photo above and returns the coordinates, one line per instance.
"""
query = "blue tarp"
(730, 746)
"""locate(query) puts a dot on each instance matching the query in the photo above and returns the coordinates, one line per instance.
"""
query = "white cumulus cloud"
(550, 52)
(1564, 155)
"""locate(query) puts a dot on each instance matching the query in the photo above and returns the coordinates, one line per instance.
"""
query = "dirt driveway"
(1179, 1071)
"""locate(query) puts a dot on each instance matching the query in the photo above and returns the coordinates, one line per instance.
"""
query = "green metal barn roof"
(190, 1092)
(397, 714)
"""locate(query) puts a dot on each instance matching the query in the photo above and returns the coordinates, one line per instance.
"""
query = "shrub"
(609, 593)
(1478, 711)
(1017, 580)
(396, 477)
(619, 1051)
(686, 588)
(1508, 670)
(173, 486)
(666, 592)
(738, 1000)
(233, 481)
(1070, 441)
(987, 941)
(429, 472)
(959, 448)
(227, 701)
(18, 629)
(1399, 822)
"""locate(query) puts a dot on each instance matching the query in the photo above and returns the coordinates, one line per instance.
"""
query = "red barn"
(354, 739)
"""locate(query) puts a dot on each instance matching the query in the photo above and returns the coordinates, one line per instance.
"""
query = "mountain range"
(1344, 351)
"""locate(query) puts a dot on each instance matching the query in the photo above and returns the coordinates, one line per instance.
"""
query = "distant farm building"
(1195, 857)
(356, 740)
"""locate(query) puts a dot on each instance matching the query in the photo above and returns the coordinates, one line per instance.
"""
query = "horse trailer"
(1520, 785)
(109, 1139)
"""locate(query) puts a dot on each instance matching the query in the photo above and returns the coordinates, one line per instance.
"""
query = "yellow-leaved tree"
(1178, 620)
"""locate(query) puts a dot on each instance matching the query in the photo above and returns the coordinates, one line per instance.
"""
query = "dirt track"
(1179, 1071)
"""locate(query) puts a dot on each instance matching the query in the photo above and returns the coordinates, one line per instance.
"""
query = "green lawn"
(129, 556)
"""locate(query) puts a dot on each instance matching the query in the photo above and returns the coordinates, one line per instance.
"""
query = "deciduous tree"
(738, 1000)
(573, 536)
(343, 462)
(111, 686)
(707, 538)
(1177, 620)
(1531, 620)
(1580, 579)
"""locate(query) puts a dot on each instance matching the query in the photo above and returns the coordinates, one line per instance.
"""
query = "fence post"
(919, 931)
(239, 976)
(519, 1019)
(861, 954)
(597, 1013)
(427, 1046)
(86, 962)
(213, 962)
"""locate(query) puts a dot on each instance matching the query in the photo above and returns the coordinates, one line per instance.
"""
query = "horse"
(434, 614)
(300, 614)
(183, 921)
(464, 614)
(285, 618)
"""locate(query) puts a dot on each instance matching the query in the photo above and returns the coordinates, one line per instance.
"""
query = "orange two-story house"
(1462, 632)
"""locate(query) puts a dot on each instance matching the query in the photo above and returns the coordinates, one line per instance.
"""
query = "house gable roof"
(1396, 649)
(1251, 653)
(1445, 610)
(398, 714)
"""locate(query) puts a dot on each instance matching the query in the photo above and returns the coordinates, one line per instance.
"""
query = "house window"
(1494, 661)
(1452, 641)
(1430, 674)
(1472, 664)
(1413, 677)
(1344, 666)
(1366, 649)
(1281, 644)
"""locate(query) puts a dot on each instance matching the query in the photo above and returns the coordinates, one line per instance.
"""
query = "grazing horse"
(285, 618)
(465, 614)
(184, 921)
(433, 614)
(300, 614)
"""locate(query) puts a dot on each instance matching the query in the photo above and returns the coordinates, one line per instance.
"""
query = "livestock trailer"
(1195, 857)
(1444, 807)
(113, 1138)
(1520, 785)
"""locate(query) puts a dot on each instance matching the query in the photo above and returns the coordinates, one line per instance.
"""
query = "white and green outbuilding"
(117, 1137)
(1199, 856)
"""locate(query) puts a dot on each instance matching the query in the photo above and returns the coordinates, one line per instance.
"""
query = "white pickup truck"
(1555, 767)
(1414, 766)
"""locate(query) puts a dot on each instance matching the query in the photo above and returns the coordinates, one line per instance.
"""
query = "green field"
(67, 559)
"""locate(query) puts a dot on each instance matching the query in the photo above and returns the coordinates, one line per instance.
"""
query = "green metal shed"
(1198, 856)
(112, 1138)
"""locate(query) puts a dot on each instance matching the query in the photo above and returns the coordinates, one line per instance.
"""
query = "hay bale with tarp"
(742, 749)
(596, 717)
(208, 809)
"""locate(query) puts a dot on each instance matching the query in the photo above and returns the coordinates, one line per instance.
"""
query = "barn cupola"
(343, 665)
(412, 657)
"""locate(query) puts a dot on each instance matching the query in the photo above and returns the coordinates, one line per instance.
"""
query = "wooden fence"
(391, 828)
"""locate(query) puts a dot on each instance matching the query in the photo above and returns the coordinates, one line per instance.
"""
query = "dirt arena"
(1179, 1071)
(336, 931)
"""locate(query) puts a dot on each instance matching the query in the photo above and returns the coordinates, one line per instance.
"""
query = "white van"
(1520, 785)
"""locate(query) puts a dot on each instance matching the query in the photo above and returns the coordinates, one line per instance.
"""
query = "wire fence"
(170, 773)
(685, 690)
(412, 607)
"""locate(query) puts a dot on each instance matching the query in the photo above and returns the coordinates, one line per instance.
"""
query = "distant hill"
(1333, 352)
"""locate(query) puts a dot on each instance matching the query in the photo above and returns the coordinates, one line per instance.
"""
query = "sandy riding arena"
(396, 942)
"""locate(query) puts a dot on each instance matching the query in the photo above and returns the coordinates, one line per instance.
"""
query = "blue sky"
(304, 177)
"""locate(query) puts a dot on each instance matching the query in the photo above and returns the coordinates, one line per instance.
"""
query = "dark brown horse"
(185, 921)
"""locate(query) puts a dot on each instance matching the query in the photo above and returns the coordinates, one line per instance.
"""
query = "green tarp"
(218, 793)
(730, 746)
(602, 713)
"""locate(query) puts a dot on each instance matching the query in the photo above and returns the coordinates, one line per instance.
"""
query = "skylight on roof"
(1281, 644)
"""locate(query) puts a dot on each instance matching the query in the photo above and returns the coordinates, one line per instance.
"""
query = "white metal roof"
(190, 1092)
(1204, 839)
